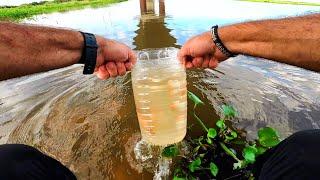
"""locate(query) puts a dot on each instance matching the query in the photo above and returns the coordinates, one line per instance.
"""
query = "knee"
(305, 138)
(16, 151)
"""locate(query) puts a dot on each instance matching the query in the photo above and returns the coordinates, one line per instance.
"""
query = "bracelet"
(89, 53)
(217, 41)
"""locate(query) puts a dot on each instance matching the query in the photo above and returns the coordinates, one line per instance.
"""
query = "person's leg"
(18, 161)
(297, 157)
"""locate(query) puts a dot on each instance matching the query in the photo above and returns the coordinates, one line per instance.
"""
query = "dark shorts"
(18, 161)
(297, 157)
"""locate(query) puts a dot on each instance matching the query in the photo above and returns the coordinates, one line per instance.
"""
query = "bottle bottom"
(164, 140)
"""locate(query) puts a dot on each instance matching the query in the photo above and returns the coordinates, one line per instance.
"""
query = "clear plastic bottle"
(160, 93)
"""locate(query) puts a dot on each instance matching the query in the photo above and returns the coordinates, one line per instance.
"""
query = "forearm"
(294, 41)
(26, 49)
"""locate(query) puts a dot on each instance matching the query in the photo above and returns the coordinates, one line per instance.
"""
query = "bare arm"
(294, 41)
(26, 49)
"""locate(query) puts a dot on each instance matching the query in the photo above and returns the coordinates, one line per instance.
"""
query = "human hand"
(200, 51)
(113, 58)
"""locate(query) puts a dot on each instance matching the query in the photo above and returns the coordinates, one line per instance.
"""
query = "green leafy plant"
(214, 169)
(249, 153)
(195, 165)
(268, 137)
(211, 150)
(170, 151)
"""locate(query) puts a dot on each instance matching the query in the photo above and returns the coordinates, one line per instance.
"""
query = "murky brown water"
(91, 125)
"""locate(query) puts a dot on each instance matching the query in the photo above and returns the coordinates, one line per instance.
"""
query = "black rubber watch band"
(89, 53)
(217, 41)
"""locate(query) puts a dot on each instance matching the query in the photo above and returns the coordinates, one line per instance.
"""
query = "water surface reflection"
(152, 29)
(91, 125)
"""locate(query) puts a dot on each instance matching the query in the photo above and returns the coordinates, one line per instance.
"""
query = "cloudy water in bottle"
(160, 93)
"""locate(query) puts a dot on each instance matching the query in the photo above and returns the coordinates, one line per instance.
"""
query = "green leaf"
(261, 150)
(214, 169)
(209, 141)
(170, 151)
(232, 136)
(229, 111)
(220, 124)
(268, 137)
(195, 165)
(212, 133)
(249, 154)
(178, 178)
(194, 98)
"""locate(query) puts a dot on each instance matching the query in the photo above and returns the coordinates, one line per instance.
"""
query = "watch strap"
(89, 53)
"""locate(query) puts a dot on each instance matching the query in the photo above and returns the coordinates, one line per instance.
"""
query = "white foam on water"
(163, 170)
(143, 151)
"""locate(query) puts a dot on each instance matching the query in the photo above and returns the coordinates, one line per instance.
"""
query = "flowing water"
(91, 125)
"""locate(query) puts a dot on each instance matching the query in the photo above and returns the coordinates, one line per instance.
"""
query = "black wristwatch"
(89, 53)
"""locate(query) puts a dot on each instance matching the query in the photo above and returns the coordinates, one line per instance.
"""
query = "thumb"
(132, 57)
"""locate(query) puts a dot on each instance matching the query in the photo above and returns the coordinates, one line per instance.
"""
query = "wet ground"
(91, 125)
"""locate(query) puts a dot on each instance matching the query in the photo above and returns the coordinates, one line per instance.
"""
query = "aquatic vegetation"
(221, 152)
(28, 10)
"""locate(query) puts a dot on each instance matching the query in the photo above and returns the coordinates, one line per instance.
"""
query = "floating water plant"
(220, 152)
